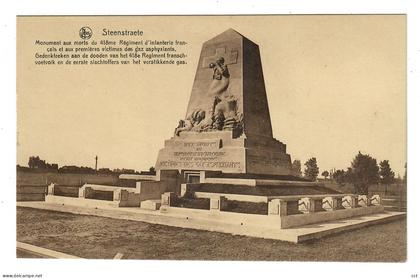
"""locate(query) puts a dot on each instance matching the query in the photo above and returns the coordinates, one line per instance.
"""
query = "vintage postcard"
(246, 138)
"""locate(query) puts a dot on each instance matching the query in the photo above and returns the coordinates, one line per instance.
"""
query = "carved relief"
(222, 113)
(221, 76)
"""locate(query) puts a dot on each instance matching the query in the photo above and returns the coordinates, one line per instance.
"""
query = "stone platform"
(296, 235)
(256, 205)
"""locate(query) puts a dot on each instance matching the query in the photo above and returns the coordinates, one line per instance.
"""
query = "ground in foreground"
(98, 237)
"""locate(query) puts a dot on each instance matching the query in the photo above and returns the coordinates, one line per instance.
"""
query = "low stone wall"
(285, 211)
(147, 189)
(30, 192)
(290, 221)
(67, 191)
(80, 202)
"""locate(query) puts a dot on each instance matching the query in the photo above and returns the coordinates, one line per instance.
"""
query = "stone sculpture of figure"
(214, 118)
(192, 122)
(221, 77)
(207, 123)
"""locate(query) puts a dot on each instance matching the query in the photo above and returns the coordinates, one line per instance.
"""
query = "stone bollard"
(215, 203)
(183, 189)
(277, 207)
(362, 200)
(168, 198)
(82, 192)
(274, 207)
(138, 186)
(116, 195)
(218, 203)
(51, 189)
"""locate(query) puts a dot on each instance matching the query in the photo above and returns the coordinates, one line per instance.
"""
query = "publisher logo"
(85, 33)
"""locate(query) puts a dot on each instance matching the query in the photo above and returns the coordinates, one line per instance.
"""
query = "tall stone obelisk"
(227, 126)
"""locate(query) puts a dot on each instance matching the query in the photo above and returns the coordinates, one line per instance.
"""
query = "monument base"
(219, 151)
(252, 205)
(241, 224)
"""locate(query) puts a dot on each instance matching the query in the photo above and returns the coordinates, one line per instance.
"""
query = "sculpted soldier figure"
(192, 122)
(214, 118)
(220, 77)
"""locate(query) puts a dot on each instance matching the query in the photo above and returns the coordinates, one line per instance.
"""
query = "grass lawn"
(98, 237)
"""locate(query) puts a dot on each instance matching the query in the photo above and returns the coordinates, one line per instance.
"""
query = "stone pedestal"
(219, 151)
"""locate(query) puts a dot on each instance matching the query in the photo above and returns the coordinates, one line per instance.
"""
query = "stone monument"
(222, 170)
(227, 126)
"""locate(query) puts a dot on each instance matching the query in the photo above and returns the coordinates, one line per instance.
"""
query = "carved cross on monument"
(230, 57)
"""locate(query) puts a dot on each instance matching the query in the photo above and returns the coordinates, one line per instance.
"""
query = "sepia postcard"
(212, 138)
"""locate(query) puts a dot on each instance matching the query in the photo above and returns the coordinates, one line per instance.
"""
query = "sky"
(335, 85)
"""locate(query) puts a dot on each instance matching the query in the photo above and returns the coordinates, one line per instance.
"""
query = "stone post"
(81, 192)
(117, 195)
(168, 198)
(368, 201)
(88, 192)
(215, 203)
(274, 207)
(138, 186)
(51, 189)
(202, 176)
(183, 189)
(282, 207)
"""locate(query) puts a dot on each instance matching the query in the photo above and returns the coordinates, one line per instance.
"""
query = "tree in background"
(339, 176)
(387, 176)
(364, 171)
(311, 170)
(405, 173)
(36, 162)
(105, 171)
(325, 174)
(297, 167)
